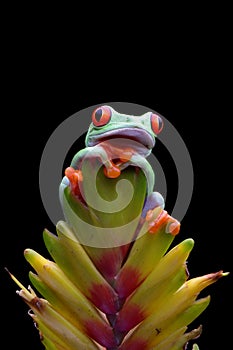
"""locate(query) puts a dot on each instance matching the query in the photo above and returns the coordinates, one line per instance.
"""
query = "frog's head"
(109, 124)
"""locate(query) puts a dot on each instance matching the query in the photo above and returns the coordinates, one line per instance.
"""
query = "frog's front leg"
(139, 161)
(73, 174)
(154, 199)
(104, 155)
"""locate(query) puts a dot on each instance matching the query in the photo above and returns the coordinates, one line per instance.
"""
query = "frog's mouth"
(137, 138)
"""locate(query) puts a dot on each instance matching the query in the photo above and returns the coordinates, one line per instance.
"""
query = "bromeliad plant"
(112, 282)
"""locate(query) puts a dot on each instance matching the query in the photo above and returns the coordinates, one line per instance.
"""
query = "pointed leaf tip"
(195, 347)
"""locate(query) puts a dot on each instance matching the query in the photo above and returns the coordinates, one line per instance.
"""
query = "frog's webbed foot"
(111, 170)
(151, 212)
(72, 179)
(75, 177)
(156, 220)
(115, 160)
(156, 217)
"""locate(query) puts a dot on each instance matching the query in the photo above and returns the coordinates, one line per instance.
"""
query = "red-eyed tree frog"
(118, 140)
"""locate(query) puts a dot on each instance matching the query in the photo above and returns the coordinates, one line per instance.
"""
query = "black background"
(42, 89)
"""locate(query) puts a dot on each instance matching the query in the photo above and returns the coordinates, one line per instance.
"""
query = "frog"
(118, 140)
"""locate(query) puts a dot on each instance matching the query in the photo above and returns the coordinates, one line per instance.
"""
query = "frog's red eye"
(156, 123)
(101, 116)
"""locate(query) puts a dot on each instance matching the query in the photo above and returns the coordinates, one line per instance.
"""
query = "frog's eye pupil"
(98, 114)
(101, 116)
(156, 123)
(160, 123)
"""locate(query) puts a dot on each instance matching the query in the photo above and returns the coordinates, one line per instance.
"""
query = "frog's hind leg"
(149, 215)
(154, 200)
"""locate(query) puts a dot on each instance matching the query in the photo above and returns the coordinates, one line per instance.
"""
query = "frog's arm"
(141, 162)
(78, 158)
(74, 172)
(154, 199)
(100, 153)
